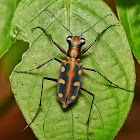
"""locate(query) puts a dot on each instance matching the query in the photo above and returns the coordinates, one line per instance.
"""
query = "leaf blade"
(6, 13)
(128, 12)
(107, 56)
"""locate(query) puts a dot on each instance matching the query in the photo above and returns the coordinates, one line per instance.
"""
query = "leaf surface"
(7, 8)
(129, 14)
(111, 56)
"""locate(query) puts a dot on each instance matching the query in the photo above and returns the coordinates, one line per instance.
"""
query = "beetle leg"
(90, 108)
(54, 58)
(60, 48)
(107, 79)
(44, 78)
(99, 34)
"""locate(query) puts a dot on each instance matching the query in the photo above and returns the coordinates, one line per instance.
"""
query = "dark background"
(12, 121)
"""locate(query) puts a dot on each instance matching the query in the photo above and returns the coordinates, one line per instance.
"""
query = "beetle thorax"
(75, 44)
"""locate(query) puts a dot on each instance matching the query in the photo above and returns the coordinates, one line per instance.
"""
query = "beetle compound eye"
(68, 39)
(83, 41)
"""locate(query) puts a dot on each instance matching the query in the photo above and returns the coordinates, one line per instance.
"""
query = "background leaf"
(129, 15)
(111, 56)
(7, 63)
(7, 8)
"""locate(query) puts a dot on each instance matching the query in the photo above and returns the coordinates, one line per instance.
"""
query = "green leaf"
(129, 15)
(7, 63)
(111, 56)
(7, 8)
(13, 56)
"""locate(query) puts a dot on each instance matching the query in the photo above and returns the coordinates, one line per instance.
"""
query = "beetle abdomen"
(69, 82)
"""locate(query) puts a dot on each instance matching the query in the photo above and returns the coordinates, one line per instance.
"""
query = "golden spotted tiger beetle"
(70, 75)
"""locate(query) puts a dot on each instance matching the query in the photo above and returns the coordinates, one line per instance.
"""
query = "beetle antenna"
(59, 21)
(96, 24)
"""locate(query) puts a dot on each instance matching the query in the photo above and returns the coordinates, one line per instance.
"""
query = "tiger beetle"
(71, 70)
